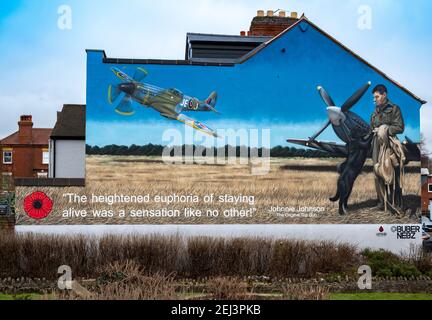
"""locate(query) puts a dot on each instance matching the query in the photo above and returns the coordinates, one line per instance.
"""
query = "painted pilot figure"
(386, 122)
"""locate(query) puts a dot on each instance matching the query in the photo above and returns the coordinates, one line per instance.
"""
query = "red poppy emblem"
(38, 205)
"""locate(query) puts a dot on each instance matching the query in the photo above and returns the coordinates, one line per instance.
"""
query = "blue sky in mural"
(274, 89)
(50, 64)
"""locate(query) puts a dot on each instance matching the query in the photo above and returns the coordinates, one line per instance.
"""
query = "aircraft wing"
(335, 149)
(412, 150)
(167, 97)
(191, 123)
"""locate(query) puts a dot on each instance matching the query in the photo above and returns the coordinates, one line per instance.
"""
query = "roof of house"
(70, 123)
(40, 136)
(219, 48)
(191, 36)
(250, 54)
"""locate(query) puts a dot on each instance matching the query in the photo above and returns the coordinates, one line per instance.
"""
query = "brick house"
(24, 154)
(426, 182)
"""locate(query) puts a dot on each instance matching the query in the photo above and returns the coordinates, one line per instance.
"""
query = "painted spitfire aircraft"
(168, 102)
(347, 125)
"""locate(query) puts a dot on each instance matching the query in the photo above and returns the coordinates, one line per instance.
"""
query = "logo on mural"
(406, 232)
(381, 232)
(38, 205)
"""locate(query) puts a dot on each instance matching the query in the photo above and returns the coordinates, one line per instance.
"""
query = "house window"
(45, 157)
(6, 182)
(7, 157)
(430, 187)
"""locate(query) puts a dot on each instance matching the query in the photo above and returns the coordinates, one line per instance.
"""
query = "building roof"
(255, 51)
(70, 123)
(220, 48)
(40, 136)
(191, 36)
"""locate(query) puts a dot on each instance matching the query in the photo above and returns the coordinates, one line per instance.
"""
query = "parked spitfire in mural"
(170, 103)
(357, 136)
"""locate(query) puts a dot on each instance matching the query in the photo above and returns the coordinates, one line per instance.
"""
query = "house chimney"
(243, 33)
(25, 129)
(271, 25)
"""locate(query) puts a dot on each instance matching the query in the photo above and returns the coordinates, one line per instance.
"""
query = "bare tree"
(425, 153)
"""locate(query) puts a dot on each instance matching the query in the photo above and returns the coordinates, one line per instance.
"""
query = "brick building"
(271, 24)
(24, 154)
(426, 182)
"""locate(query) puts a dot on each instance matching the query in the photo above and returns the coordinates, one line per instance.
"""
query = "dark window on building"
(7, 157)
(430, 187)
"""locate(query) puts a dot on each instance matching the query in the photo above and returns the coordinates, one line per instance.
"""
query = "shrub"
(386, 264)
(227, 288)
(125, 281)
(38, 256)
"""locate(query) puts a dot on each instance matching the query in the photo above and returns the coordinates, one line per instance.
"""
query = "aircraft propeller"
(345, 107)
(355, 97)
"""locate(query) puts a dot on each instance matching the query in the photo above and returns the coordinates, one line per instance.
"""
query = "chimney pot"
(294, 15)
(25, 126)
(243, 33)
(282, 14)
(260, 13)
(27, 118)
(269, 13)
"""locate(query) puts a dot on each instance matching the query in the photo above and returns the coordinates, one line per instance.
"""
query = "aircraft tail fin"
(211, 102)
(212, 99)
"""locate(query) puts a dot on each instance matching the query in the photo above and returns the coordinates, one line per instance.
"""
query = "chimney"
(243, 33)
(271, 25)
(25, 129)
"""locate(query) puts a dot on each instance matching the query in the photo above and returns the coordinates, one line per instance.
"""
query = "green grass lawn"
(380, 296)
(23, 296)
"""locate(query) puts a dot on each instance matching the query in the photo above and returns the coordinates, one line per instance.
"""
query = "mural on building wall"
(168, 102)
(360, 152)
(352, 160)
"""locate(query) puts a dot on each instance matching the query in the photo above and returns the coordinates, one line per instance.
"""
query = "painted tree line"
(240, 151)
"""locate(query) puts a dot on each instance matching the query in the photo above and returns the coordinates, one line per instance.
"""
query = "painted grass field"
(292, 184)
